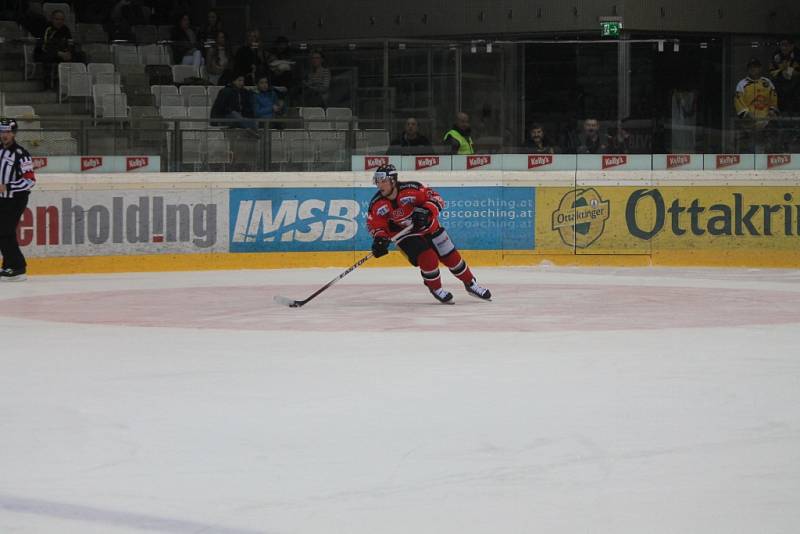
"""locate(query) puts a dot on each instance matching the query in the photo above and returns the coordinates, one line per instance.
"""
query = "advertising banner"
(332, 219)
(370, 163)
(119, 222)
(539, 162)
(729, 162)
(641, 220)
(96, 164)
(614, 162)
(51, 164)
(426, 163)
(478, 162)
(777, 162)
(677, 162)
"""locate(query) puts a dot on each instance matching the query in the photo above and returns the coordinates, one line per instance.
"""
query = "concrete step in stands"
(31, 99)
(11, 75)
(31, 86)
(63, 123)
(75, 107)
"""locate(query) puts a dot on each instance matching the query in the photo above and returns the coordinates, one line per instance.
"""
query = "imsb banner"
(332, 218)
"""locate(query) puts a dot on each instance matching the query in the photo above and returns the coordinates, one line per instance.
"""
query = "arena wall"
(153, 221)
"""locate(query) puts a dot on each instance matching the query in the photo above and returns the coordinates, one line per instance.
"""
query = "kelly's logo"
(478, 161)
(728, 160)
(425, 162)
(373, 162)
(581, 217)
(778, 160)
(136, 162)
(614, 161)
(678, 160)
(91, 162)
(539, 161)
(39, 163)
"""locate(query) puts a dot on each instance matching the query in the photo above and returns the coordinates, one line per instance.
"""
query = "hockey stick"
(297, 303)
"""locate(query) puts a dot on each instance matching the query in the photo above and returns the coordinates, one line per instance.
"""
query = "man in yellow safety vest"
(458, 138)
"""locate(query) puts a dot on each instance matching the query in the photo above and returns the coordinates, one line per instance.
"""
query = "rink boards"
(179, 221)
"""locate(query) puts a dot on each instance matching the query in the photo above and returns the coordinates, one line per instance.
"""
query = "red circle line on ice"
(353, 307)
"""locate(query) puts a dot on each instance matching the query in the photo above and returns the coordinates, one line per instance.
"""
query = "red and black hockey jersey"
(387, 217)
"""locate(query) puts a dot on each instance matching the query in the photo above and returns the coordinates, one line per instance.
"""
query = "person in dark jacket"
(591, 142)
(185, 50)
(411, 142)
(56, 47)
(537, 142)
(252, 58)
(234, 102)
(211, 29)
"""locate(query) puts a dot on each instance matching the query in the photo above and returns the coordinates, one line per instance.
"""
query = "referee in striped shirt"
(16, 181)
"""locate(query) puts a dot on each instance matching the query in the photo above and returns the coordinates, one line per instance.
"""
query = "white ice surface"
(110, 428)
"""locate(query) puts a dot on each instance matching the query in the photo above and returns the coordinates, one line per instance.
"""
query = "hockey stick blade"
(297, 303)
(287, 301)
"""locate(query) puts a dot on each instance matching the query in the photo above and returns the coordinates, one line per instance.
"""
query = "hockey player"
(398, 205)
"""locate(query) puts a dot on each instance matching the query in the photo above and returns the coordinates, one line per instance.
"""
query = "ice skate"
(442, 295)
(478, 291)
(13, 275)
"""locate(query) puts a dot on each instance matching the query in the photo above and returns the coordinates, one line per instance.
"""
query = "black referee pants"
(10, 212)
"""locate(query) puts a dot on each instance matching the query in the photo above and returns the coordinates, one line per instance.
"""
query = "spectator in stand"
(185, 50)
(411, 142)
(218, 58)
(785, 73)
(234, 102)
(267, 103)
(458, 139)
(590, 141)
(129, 13)
(282, 65)
(32, 20)
(96, 12)
(619, 139)
(251, 58)
(317, 81)
(756, 99)
(56, 47)
(756, 102)
(211, 29)
(124, 15)
(537, 142)
(176, 8)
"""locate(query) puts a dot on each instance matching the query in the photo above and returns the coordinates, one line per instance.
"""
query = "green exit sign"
(610, 28)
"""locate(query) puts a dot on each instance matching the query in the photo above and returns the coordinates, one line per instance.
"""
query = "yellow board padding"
(741, 226)
(477, 258)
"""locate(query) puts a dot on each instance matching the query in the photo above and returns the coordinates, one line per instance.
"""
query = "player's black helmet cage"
(8, 125)
(383, 172)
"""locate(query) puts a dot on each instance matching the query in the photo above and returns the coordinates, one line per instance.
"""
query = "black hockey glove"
(380, 246)
(421, 217)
